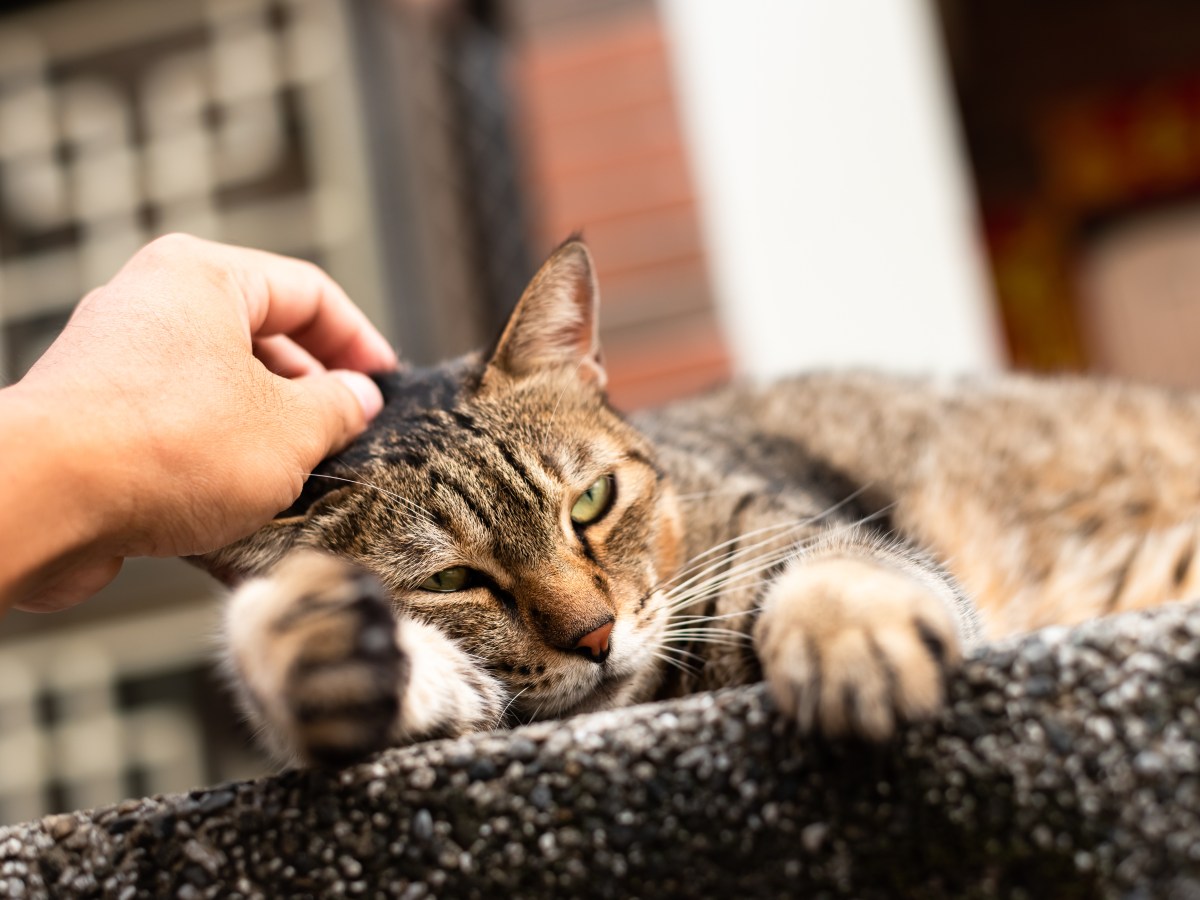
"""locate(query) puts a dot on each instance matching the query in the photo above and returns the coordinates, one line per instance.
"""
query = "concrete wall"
(1064, 766)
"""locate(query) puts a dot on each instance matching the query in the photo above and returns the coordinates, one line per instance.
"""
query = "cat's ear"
(251, 556)
(554, 324)
(259, 552)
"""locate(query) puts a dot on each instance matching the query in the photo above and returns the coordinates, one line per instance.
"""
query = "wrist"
(60, 513)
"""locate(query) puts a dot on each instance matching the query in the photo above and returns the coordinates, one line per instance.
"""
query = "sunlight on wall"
(835, 201)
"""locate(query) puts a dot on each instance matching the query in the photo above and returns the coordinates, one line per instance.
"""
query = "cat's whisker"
(842, 529)
(725, 563)
(411, 506)
(698, 618)
(735, 547)
(511, 701)
(699, 560)
(735, 561)
(674, 661)
(693, 640)
(675, 650)
(694, 590)
(748, 570)
(704, 629)
(798, 523)
(744, 575)
(707, 646)
(709, 632)
(873, 516)
(681, 601)
(533, 717)
(780, 535)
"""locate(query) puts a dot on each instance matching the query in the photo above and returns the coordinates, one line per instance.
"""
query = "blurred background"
(767, 185)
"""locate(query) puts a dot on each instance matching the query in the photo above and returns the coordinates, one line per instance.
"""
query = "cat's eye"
(446, 581)
(594, 502)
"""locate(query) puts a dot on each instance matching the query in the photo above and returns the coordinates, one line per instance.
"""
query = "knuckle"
(312, 270)
(90, 299)
(170, 246)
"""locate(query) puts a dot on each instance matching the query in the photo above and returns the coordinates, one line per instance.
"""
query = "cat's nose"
(594, 644)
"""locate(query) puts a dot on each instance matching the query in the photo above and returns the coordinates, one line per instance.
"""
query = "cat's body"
(1051, 501)
(535, 555)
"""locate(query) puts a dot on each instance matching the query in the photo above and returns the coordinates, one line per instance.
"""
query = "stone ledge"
(1067, 765)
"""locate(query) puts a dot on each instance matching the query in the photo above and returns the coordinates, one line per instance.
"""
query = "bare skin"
(183, 405)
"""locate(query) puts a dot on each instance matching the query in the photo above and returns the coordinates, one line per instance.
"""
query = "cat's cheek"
(637, 640)
(668, 538)
(627, 646)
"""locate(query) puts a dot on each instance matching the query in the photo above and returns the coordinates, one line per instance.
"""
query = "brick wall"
(604, 153)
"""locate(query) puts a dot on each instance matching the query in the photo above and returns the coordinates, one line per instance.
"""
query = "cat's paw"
(315, 648)
(850, 646)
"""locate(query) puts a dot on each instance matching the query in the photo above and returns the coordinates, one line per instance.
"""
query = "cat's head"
(499, 497)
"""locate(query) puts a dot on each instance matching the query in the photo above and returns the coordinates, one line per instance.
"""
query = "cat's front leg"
(857, 634)
(330, 674)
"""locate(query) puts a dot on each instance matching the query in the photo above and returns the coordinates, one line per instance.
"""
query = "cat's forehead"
(417, 414)
(411, 393)
(443, 409)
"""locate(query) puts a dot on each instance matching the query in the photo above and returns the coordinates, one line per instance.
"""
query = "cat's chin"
(613, 689)
(610, 687)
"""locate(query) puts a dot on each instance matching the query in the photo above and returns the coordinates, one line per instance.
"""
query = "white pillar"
(840, 226)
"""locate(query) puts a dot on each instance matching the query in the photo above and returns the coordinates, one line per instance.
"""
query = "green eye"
(448, 580)
(594, 502)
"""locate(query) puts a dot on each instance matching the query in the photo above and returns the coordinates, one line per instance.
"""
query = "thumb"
(71, 585)
(365, 391)
(342, 402)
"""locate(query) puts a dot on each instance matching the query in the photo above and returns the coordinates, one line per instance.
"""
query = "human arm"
(183, 405)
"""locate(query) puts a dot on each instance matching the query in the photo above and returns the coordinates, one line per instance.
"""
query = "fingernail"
(367, 392)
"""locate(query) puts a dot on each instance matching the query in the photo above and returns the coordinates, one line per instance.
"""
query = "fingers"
(295, 298)
(365, 391)
(338, 405)
(285, 357)
(71, 586)
(280, 296)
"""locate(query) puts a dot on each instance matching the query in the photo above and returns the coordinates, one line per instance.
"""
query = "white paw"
(315, 648)
(851, 646)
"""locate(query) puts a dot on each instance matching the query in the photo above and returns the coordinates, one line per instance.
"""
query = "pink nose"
(596, 641)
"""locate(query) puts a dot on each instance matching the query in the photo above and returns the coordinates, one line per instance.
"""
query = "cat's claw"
(850, 646)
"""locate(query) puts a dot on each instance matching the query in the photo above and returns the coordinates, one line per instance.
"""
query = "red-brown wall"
(604, 153)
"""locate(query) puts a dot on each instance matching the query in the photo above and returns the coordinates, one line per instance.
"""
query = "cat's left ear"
(555, 322)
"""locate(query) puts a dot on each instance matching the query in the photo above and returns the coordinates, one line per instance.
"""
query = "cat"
(502, 546)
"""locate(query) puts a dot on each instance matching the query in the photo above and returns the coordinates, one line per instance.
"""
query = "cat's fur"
(824, 533)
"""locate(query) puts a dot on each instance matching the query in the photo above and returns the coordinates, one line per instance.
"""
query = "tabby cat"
(502, 546)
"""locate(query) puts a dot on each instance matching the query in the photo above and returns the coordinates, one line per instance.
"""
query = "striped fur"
(824, 533)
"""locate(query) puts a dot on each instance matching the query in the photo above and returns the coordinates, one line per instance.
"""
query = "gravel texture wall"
(1066, 765)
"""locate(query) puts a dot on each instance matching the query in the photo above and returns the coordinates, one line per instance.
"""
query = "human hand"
(183, 405)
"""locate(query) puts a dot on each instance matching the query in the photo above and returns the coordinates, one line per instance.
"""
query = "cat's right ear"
(555, 323)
